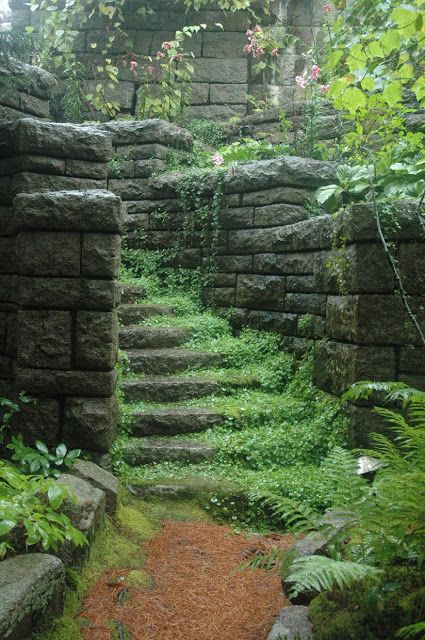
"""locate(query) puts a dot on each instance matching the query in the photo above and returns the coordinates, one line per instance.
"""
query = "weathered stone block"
(25, 182)
(285, 323)
(145, 168)
(30, 135)
(310, 326)
(292, 624)
(300, 284)
(87, 169)
(412, 266)
(69, 211)
(234, 263)
(123, 92)
(96, 340)
(65, 293)
(200, 93)
(286, 171)
(154, 131)
(49, 253)
(260, 292)
(39, 420)
(86, 512)
(143, 151)
(38, 164)
(378, 319)
(228, 93)
(224, 45)
(100, 255)
(143, 42)
(90, 423)
(44, 339)
(65, 383)
(221, 296)
(32, 589)
(99, 478)
(314, 303)
(7, 256)
(223, 279)
(337, 366)
(289, 195)
(224, 70)
(237, 218)
(289, 263)
(412, 360)
(363, 421)
(33, 105)
(131, 188)
(137, 222)
(360, 224)
(275, 215)
(217, 112)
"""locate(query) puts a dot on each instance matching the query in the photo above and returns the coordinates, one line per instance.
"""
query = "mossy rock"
(140, 579)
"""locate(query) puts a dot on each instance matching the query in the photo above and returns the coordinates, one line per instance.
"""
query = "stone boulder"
(86, 509)
(99, 478)
(148, 132)
(292, 624)
(32, 588)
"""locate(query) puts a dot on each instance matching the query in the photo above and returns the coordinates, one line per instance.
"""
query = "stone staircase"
(158, 362)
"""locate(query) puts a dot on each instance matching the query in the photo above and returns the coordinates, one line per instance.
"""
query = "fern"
(319, 573)
(412, 632)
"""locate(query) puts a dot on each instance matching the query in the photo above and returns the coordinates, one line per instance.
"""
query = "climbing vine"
(201, 197)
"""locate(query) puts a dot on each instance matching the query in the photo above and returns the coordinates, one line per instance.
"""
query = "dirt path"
(197, 590)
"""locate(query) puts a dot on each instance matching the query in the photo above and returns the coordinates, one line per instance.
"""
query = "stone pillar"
(67, 256)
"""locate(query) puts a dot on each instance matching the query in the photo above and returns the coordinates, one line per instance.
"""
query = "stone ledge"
(292, 624)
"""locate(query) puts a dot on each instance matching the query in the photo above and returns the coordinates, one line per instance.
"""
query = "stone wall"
(60, 252)
(272, 269)
(223, 74)
(25, 90)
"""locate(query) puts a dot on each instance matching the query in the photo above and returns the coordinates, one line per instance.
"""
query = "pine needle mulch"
(198, 591)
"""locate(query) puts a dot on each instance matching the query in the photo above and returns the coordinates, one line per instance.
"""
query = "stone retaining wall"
(272, 268)
(223, 73)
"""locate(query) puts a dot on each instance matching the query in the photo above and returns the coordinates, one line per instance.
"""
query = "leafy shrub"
(29, 506)
(40, 460)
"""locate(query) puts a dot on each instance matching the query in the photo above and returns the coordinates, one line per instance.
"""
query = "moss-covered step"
(134, 313)
(190, 488)
(178, 388)
(174, 420)
(169, 361)
(131, 293)
(140, 451)
(137, 337)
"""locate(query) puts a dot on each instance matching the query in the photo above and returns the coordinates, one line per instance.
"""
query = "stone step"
(136, 337)
(168, 361)
(174, 420)
(131, 293)
(134, 313)
(140, 451)
(183, 488)
(168, 389)
(178, 388)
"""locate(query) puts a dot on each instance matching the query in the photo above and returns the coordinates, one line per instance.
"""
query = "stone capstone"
(32, 589)
(148, 132)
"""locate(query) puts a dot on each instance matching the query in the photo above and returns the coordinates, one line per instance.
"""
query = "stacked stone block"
(25, 91)
(272, 269)
(223, 75)
(60, 241)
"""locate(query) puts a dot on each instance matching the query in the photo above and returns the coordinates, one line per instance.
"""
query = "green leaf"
(6, 526)
(41, 446)
(390, 40)
(353, 99)
(55, 495)
(393, 93)
(61, 450)
(405, 19)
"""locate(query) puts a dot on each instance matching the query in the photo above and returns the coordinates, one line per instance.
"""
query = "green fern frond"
(319, 573)
(363, 390)
(275, 561)
(297, 517)
(412, 632)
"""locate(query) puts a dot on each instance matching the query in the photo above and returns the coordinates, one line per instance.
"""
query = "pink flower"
(217, 159)
(178, 56)
(159, 54)
(150, 69)
(258, 52)
(315, 72)
(275, 52)
(167, 46)
(324, 88)
(302, 80)
(133, 66)
(258, 29)
(247, 48)
(327, 8)
(249, 33)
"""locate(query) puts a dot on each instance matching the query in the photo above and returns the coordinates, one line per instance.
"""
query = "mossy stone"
(140, 579)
